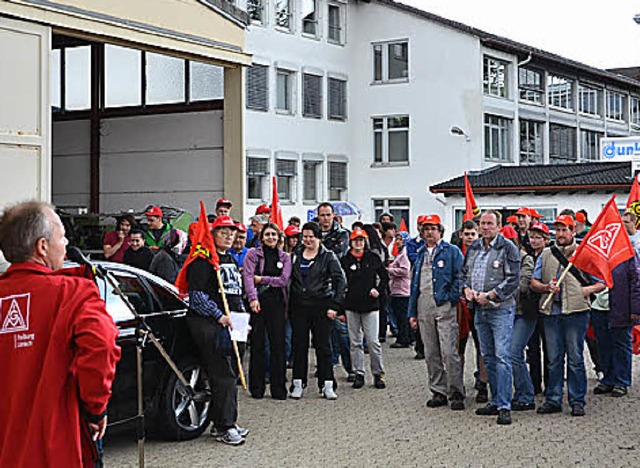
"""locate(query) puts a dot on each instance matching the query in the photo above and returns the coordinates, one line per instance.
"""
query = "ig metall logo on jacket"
(14, 318)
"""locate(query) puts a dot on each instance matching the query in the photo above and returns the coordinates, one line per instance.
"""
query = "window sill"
(390, 164)
(337, 119)
(589, 116)
(389, 82)
(616, 121)
(566, 110)
(498, 161)
(314, 37)
(495, 96)
(335, 42)
(285, 113)
(316, 117)
(258, 110)
(283, 30)
(530, 103)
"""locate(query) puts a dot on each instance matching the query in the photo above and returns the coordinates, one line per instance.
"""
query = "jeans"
(391, 318)
(340, 345)
(614, 349)
(365, 325)
(523, 384)
(495, 327)
(565, 334)
(288, 347)
(400, 306)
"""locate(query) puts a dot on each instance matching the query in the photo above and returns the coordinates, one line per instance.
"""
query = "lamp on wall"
(636, 18)
(455, 130)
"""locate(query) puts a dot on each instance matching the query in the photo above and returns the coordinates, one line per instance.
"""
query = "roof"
(594, 176)
(508, 45)
(229, 11)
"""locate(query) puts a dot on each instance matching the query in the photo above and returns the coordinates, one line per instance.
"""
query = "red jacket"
(58, 356)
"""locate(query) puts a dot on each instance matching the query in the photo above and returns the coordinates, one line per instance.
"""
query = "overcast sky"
(602, 34)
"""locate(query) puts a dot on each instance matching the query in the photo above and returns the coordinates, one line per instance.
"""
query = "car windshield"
(116, 307)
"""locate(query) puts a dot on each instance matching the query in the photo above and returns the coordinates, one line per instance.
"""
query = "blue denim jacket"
(447, 265)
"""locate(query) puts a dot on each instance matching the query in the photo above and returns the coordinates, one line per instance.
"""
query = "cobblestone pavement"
(393, 427)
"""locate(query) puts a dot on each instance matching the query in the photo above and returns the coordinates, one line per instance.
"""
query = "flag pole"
(560, 280)
(235, 344)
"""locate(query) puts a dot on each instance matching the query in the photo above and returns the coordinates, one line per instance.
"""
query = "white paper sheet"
(240, 324)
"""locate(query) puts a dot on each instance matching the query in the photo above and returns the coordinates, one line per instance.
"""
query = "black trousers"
(222, 371)
(270, 318)
(311, 316)
(537, 361)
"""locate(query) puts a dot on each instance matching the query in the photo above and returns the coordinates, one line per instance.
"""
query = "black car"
(169, 411)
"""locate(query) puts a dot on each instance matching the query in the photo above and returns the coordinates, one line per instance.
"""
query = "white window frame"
(290, 16)
(291, 75)
(343, 80)
(385, 130)
(535, 146)
(528, 92)
(248, 104)
(318, 28)
(263, 177)
(590, 145)
(292, 179)
(616, 105)
(318, 161)
(503, 126)
(317, 74)
(390, 205)
(495, 77)
(342, 191)
(594, 100)
(384, 59)
(553, 159)
(634, 111)
(263, 10)
(341, 24)
(565, 98)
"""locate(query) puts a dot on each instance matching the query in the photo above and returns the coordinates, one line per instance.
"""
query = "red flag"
(403, 226)
(471, 207)
(605, 246)
(202, 246)
(634, 195)
(275, 216)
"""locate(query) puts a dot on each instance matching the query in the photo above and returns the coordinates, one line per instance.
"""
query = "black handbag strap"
(577, 274)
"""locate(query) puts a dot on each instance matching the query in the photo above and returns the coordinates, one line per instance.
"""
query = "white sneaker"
(328, 392)
(297, 390)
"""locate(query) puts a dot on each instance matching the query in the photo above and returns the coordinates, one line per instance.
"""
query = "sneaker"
(577, 410)
(483, 393)
(601, 389)
(397, 345)
(359, 381)
(438, 400)
(522, 406)
(457, 402)
(378, 381)
(243, 431)
(328, 392)
(489, 410)
(351, 377)
(618, 391)
(230, 437)
(548, 408)
(504, 417)
(297, 389)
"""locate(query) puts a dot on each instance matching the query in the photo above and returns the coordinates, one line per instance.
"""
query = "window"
(283, 14)
(258, 88)
(123, 75)
(497, 138)
(635, 111)
(286, 172)
(337, 99)
(311, 176)
(391, 139)
(309, 13)
(255, 10)
(77, 73)
(562, 144)
(334, 33)
(206, 82)
(495, 77)
(165, 79)
(589, 145)
(398, 207)
(530, 85)
(560, 91)
(589, 100)
(284, 91)
(337, 181)
(531, 142)
(616, 106)
(391, 61)
(56, 79)
(311, 96)
(257, 178)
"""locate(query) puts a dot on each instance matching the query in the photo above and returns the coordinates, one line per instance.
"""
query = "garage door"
(24, 112)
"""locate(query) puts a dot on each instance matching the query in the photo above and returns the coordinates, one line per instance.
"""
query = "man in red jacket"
(58, 348)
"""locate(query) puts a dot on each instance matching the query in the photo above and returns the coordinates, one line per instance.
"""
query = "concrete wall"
(172, 159)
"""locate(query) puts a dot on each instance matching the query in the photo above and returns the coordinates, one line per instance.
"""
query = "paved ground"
(393, 427)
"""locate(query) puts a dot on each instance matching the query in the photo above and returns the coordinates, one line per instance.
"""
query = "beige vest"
(571, 296)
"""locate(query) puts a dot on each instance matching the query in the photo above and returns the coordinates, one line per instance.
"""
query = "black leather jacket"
(325, 279)
(336, 239)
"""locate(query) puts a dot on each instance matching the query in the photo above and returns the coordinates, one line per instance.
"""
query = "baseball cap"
(356, 233)
(241, 227)
(224, 202)
(512, 219)
(508, 232)
(263, 209)
(580, 217)
(291, 231)
(535, 214)
(154, 211)
(431, 219)
(523, 211)
(224, 221)
(421, 219)
(540, 227)
(566, 220)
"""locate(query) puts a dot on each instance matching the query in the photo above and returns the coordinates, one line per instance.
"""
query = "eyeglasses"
(226, 232)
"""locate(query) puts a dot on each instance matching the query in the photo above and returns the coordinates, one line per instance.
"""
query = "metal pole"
(140, 421)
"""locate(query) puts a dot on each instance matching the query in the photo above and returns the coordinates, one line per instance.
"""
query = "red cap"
(224, 221)
(241, 227)
(540, 227)
(263, 209)
(535, 214)
(508, 232)
(565, 220)
(224, 201)
(356, 233)
(421, 219)
(581, 218)
(291, 231)
(512, 219)
(154, 211)
(523, 211)
(431, 219)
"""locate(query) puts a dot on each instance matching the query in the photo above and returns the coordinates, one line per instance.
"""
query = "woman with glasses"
(266, 273)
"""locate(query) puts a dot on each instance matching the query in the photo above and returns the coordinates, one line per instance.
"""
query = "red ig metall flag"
(275, 216)
(471, 207)
(605, 246)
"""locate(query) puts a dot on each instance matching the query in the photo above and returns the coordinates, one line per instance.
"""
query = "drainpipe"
(527, 60)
